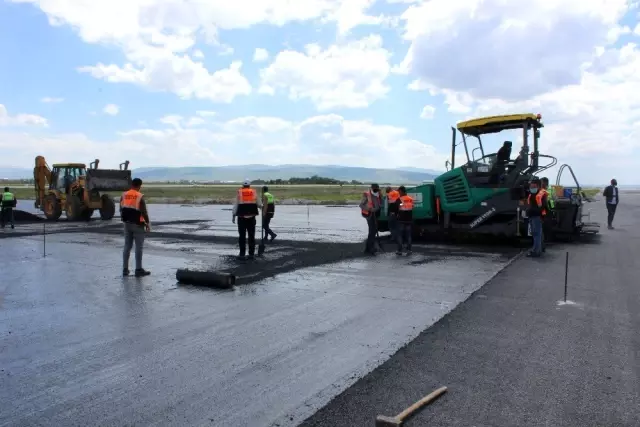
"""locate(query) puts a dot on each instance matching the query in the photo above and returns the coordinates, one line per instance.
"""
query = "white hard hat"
(246, 182)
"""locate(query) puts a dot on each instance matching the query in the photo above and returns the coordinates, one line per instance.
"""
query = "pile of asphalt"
(26, 217)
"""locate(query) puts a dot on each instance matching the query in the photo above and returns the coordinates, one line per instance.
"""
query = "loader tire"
(108, 209)
(51, 207)
(75, 209)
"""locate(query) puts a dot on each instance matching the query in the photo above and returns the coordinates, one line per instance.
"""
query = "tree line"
(313, 180)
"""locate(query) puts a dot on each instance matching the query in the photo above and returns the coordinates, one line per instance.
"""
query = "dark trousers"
(611, 209)
(6, 216)
(404, 230)
(372, 225)
(247, 226)
(266, 220)
(547, 227)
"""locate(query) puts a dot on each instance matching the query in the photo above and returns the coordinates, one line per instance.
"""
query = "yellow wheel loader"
(76, 190)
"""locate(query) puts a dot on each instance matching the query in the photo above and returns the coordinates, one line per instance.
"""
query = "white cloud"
(260, 55)
(48, 100)
(111, 109)
(20, 120)
(428, 112)
(179, 122)
(497, 48)
(198, 54)
(325, 139)
(349, 75)
(155, 36)
(203, 113)
(636, 30)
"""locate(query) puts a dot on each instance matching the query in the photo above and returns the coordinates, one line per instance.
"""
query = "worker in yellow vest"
(7, 204)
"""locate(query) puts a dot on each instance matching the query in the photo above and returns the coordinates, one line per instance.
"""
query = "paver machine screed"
(487, 195)
(76, 190)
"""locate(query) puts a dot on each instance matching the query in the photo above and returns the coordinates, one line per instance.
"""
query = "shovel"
(261, 245)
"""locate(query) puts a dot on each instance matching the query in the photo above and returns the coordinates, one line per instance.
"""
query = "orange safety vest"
(370, 202)
(131, 200)
(406, 203)
(393, 196)
(247, 202)
(541, 193)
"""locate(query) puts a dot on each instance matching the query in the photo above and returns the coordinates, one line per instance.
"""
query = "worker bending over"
(133, 213)
(7, 204)
(548, 219)
(537, 210)
(370, 209)
(268, 211)
(405, 220)
(246, 209)
(392, 211)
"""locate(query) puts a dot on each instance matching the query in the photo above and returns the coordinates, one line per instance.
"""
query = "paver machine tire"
(108, 209)
(75, 209)
(51, 207)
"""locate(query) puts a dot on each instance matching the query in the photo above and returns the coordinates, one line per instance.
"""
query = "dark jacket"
(609, 192)
(533, 208)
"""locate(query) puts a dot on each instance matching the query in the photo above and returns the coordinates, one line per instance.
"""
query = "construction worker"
(268, 211)
(370, 209)
(537, 209)
(133, 213)
(7, 203)
(547, 220)
(392, 211)
(246, 209)
(612, 199)
(405, 220)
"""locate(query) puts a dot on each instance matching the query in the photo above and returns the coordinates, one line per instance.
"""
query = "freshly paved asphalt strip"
(515, 355)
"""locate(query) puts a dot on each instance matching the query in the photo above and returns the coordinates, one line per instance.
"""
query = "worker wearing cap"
(370, 209)
(392, 211)
(268, 211)
(133, 213)
(537, 209)
(7, 203)
(405, 220)
(246, 208)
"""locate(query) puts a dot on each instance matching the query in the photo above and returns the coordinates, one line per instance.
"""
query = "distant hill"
(253, 172)
(266, 172)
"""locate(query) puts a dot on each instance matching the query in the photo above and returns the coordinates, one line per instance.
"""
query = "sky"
(374, 83)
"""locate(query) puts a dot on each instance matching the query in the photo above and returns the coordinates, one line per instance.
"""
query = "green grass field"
(165, 193)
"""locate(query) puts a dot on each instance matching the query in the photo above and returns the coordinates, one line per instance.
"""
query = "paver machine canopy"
(76, 190)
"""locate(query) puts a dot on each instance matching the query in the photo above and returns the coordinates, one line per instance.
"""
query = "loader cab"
(64, 176)
(506, 167)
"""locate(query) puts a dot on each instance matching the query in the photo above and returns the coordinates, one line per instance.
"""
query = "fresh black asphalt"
(515, 355)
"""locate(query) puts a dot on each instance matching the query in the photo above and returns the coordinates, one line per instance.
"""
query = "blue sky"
(345, 82)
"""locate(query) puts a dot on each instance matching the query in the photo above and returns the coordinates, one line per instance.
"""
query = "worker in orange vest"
(537, 209)
(133, 213)
(246, 208)
(405, 220)
(392, 212)
(370, 208)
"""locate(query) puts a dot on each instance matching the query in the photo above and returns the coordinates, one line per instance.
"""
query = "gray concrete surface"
(80, 345)
(515, 355)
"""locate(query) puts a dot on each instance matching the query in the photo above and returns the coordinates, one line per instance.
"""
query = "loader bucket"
(108, 179)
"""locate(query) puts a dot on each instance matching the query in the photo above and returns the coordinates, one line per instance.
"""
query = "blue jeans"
(536, 233)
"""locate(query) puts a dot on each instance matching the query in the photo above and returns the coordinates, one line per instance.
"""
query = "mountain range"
(267, 172)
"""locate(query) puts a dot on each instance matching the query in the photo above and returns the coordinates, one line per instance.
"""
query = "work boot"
(125, 272)
(251, 256)
(241, 257)
(141, 272)
(398, 252)
(409, 252)
(13, 226)
(611, 227)
(273, 236)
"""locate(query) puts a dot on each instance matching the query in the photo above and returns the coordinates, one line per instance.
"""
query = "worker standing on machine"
(268, 211)
(548, 219)
(537, 209)
(370, 209)
(133, 213)
(405, 220)
(392, 211)
(246, 209)
(7, 204)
